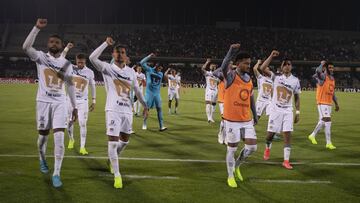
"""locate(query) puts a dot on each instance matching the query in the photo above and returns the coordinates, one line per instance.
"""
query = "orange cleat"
(267, 154)
(286, 164)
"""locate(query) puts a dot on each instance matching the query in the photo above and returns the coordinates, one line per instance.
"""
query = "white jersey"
(172, 83)
(140, 78)
(265, 88)
(82, 78)
(211, 81)
(52, 72)
(118, 85)
(284, 89)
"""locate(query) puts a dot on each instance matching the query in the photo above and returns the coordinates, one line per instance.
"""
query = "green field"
(169, 166)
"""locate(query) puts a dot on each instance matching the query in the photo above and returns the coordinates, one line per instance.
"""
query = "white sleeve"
(94, 58)
(93, 87)
(297, 89)
(70, 85)
(28, 44)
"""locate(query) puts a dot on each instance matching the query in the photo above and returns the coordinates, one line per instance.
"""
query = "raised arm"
(94, 56)
(234, 48)
(267, 62)
(144, 61)
(67, 49)
(203, 68)
(166, 77)
(255, 68)
(319, 73)
(30, 39)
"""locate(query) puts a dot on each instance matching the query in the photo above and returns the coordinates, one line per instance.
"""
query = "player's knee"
(82, 124)
(113, 138)
(59, 130)
(287, 145)
(251, 148)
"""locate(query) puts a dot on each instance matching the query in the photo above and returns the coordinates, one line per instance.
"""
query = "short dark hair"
(119, 46)
(327, 63)
(55, 36)
(80, 56)
(241, 56)
(286, 59)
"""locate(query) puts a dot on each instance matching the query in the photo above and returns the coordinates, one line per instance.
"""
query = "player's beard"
(54, 50)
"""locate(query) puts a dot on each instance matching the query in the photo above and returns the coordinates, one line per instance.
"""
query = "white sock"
(208, 110)
(59, 151)
(113, 156)
(245, 153)
(230, 160)
(83, 131)
(328, 132)
(318, 127)
(121, 146)
(42, 143)
(213, 110)
(71, 130)
(287, 151)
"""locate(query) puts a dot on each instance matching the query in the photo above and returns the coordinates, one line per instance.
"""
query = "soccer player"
(173, 87)
(154, 77)
(51, 107)
(281, 118)
(325, 95)
(211, 90)
(265, 88)
(221, 93)
(239, 111)
(141, 81)
(83, 78)
(119, 79)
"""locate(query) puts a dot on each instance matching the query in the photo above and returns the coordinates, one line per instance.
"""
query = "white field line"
(140, 176)
(291, 181)
(186, 160)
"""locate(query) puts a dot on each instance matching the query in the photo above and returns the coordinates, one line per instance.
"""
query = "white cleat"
(144, 127)
(211, 121)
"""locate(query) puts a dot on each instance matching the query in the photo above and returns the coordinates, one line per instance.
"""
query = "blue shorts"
(153, 99)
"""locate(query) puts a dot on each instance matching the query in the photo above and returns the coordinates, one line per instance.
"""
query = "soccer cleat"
(110, 167)
(136, 114)
(144, 127)
(44, 167)
(56, 181)
(118, 182)
(286, 164)
(312, 139)
(132, 132)
(267, 154)
(71, 144)
(163, 128)
(231, 182)
(238, 174)
(330, 146)
(83, 151)
(211, 121)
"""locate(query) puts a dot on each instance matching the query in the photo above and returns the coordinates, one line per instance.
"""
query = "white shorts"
(51, 115)
(83, 111)
(117, 123)
(280, 122)
(262, 107)
(324, 111)
(211, 96)
(173, 94)
(221, 107)
(235, 131)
